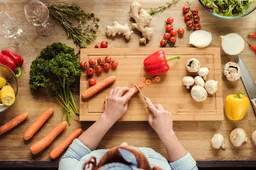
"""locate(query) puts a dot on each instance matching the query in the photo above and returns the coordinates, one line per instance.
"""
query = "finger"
(159, 107)
(129, 94)
(151, 107)
(111, 93)
(121, 91)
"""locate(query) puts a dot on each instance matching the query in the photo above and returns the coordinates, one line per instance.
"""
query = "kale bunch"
(56, 69)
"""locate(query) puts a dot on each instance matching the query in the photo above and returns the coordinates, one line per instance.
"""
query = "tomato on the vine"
(92, 62)
(163, 43)
(173, 40)
(104, 44)
(194, 11)
(98, 69)
(189, 24)
(180, 31)
(168, 27)
(114, 64)
(83, 65)
(90, 71)
(185, 9)
(197, 27)
(106, 66)
(196, 18)
(187, 17)
(169, 20)
(100, 61)
(167, 35)
(108, 59)
(92, 81)
(173, 33)
(97, 46)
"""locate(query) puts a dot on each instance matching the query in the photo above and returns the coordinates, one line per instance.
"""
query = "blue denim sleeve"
(72, 156)
(187, 162)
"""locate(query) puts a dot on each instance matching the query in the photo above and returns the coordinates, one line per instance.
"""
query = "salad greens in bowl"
(229, 9)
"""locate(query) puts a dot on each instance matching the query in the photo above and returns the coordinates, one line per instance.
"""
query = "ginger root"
(117, 28)
(142, 20)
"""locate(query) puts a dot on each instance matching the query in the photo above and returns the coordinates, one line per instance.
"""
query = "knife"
(139, 90)
(248, 82)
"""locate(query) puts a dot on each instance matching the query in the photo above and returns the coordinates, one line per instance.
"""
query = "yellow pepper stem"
(238, 94)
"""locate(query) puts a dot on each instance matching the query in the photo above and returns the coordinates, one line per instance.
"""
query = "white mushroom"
(199, 81)
(198, 93)
(217, 141)
(188, 81)
(203, 72)
(211, 86)
(254, 137)
(238, 137)
(232, 71)
(193, 65)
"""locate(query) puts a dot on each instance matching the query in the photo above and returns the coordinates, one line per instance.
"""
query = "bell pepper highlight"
(236, 106)
(157, 63)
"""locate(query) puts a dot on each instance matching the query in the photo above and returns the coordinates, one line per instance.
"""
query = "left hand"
(117, 102)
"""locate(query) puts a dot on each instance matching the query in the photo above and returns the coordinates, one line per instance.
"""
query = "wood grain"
(195, 136)
(170, 92)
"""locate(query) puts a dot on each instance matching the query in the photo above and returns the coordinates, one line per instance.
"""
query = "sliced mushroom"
(188, 81)
(199, 81)
(232, 71)
(203, 72)
(211, 86)
(198, 93)
(193, 65)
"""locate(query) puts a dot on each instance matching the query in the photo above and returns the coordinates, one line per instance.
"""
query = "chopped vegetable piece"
(158, 79)
(148, 82)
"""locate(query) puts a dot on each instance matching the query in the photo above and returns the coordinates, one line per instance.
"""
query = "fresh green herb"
(159, 9)
(87, 24)
(228, 7)
(56, 69)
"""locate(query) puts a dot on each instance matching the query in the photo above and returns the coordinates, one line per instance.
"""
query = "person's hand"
(160, 120)
(117, 102)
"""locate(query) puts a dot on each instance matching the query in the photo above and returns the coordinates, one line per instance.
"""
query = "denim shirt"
(77, 154)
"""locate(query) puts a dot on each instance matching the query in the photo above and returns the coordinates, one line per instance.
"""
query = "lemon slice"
(7, 95)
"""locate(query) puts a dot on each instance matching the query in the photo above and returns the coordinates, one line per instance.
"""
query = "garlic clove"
(238, 137)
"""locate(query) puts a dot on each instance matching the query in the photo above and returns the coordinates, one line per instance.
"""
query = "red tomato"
(114, 64)
(92, 81)
(196, 19)
(98, 69)
(97, 46)
(100, 61)
(173, 40)
(163, 43)
(169, 20)
(104, 44)
(189, 24)
(106, 66)
(197, 27)
(185, 9)
(187, 17)
(180, 31)
(92, 62)
(168, 27)
(108, 59)
(90, 71)
(167, 35)
(194, 11)
(83, 65)
(173, 33)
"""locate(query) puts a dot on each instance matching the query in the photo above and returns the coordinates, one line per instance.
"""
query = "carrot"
(153, 80)
(141, 83)
(38, 124)
(157, 79)
(143, 79)
(12, 123)
(148, 82)
(96, 88)
(48, 139)
(55, 153)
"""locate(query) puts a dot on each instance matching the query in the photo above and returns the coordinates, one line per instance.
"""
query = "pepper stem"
(239, 93)
(173, 58)
(19, 72)
(247, 43)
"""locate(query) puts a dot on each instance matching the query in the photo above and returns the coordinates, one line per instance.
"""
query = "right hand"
(160, 120)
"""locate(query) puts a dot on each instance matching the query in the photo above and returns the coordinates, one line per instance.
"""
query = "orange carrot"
(143, 79)
(38, 124)
(96, 88)
(153, 80)
(12, 123)
(148, 82)
(48, 139)
(157, 79)
(55, 153)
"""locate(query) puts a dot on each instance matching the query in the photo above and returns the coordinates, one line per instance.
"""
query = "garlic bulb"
(199, 81)
(238, 137)
(217, 141)
(254, 137)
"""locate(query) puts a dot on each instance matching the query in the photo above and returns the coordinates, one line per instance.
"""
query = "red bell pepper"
(5, 60)
(252, 35)
(157, 63)
(15, 57)
(253, 47)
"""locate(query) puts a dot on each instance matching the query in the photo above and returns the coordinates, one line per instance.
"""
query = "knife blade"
(248, 82)
(139, 90)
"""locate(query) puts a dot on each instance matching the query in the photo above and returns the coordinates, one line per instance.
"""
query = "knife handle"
(254, 105)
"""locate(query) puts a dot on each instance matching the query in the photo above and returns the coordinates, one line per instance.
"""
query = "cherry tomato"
(92, 62)
(197, 27)
(194, 11)
(180, 32)
(114, 64)
(98, 69)
(167, 35)
(173, 40)
(92, 81)
(173, 33)
(189, 24)
(185, 9)
(106, 66)
(100, 61)
(90, 71)
(108, 59)
(187, 17)
(163, 43)
(168, 27)
(97, 46)
(83, 65)
(169, 20)
(196, 18)
(104, 44)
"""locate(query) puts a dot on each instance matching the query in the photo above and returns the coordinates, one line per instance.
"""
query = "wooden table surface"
(195, 136)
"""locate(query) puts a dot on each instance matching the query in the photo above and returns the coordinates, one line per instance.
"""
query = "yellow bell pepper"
(236, 106)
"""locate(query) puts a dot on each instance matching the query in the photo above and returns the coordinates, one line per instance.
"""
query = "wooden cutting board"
(169, 91)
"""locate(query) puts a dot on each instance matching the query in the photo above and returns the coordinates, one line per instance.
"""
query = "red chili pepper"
(157, 63)
(252, 35)
(253, 47)
(5, 60)
(15, 57)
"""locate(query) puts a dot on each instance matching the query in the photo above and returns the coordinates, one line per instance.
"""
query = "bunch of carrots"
(48, 139)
